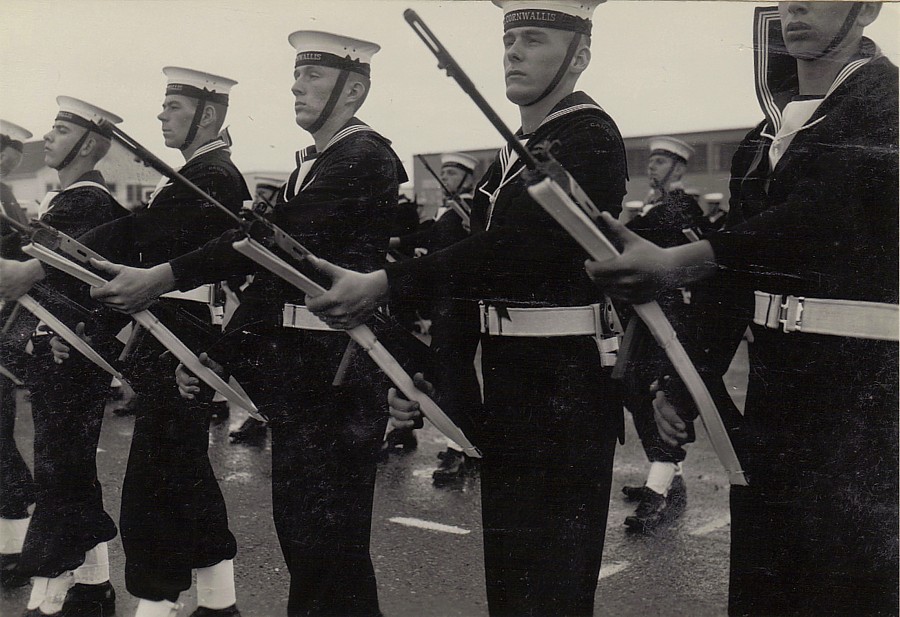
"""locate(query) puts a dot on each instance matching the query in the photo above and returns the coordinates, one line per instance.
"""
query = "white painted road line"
(419, 523)
(714, 525)
(613, 567)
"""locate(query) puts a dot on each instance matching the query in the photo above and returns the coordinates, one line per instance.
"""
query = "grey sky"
(657, 67)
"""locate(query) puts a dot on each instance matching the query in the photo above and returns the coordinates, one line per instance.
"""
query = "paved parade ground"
(426, 544)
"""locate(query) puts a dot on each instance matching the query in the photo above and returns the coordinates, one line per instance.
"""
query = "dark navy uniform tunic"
(551, 413)
(815, 533)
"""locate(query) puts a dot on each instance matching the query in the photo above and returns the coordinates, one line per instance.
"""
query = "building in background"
(130, 182)
(707, 173)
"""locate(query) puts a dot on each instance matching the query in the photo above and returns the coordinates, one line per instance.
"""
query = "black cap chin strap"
(74, 151)
(844, 31)
(570, 53)
(195, 124)
(332, 101)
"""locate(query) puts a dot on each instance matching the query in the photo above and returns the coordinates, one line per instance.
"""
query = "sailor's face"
(531, 59)
(60, 140)
(176, 117)
(808, 27)
(659, 169)
(312, 88)
(9, 160)
(452, 177)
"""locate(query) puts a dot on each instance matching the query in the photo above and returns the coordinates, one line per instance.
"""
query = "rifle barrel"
(446, 62)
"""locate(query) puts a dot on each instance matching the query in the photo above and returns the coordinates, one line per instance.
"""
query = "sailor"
(552, 411)
(173, 518)
(810, 256)
(16, 484)
(670, 217)
(451, 221)
(65, 549)
(450, 318)
(326, 432)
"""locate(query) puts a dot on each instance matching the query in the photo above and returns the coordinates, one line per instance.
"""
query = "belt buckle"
(790, 314)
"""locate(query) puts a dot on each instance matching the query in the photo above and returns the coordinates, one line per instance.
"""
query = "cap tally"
(333, 50)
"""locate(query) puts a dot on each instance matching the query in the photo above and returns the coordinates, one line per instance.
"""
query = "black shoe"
(634, 493)
(90, 601)
(399, 441)
(650, 513)
(655, 510)
(9, 572)
(455, 467)
(231, 611)
(251, 431)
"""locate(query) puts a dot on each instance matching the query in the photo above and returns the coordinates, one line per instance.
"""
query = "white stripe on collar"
(215, 144)
(350, 130)
(568, 110)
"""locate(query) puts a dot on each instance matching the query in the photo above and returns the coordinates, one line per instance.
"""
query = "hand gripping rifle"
(558, 193)
(53, 322)
(261, 236)
(63, 252)
(450, 198)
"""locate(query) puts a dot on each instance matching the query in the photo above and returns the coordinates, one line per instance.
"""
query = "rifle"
(450, 197)
(261, 236)
(46, 241)
(561, 196)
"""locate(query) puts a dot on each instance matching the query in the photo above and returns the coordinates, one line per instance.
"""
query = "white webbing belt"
(299, 317)
(552, 322)
(853, 318)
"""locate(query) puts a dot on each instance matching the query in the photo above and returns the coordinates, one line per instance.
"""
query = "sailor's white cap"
(85, 114)
(334, 50)
(671, 145)
(14, 131)
(572, 15)
(198, 84)
(460, 160)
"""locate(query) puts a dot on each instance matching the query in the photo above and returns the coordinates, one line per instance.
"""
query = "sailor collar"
(216, 144)
(353, 126)
(775, 70)
(90, 179)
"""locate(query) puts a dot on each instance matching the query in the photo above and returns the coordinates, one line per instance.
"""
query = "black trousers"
(16, 483)
(815, 532)
(173, 516)
(646, 364)
(548, 433)
(67, 403)
(325, 442)
(323, 483)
